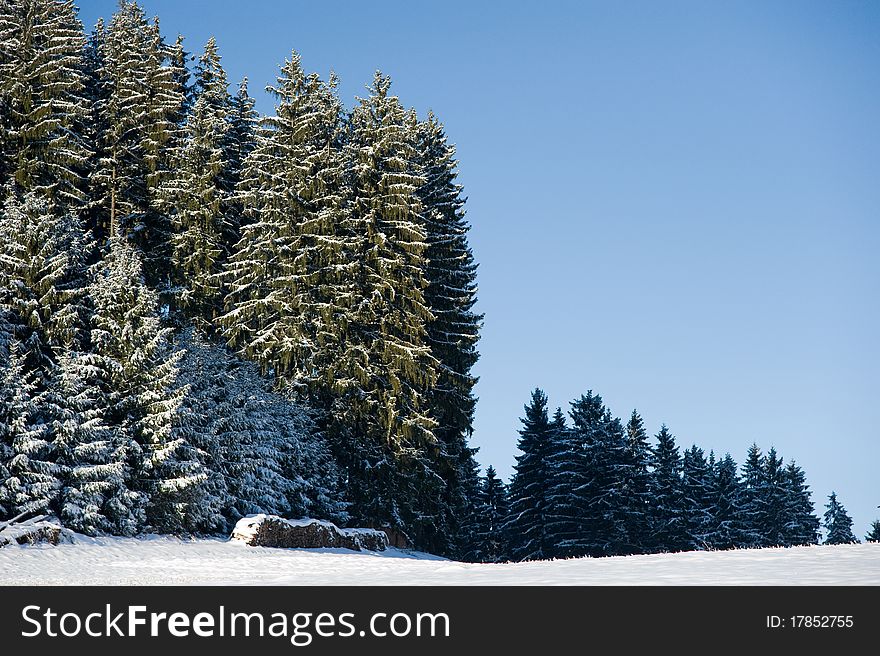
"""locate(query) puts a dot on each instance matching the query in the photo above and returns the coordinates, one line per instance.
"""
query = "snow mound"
(273, 531)
(37, 530)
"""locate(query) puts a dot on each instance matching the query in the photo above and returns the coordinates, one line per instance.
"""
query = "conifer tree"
(138, 100)
(137, 370)
(42, 83)
(697, 499)
(453, 330)
(42, 279)
(489, 540)
(726, 530)
(668, 528)
(637, 485)
(874, 534)
(801, 523)
(31, 480)
(753, 505)
(241, 140)
(196, 195)
(84, 445)
(526, 525)
(838, 523)
(775, 494)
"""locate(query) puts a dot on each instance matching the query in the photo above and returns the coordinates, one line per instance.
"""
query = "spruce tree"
(801, 523)
(196, 195)
(775, 495)
(31, 477)
(137, 369)
(526, 525)
(838, 523)
(489, 540)
(138, 100)
(637, 485)
(753, 507)
(453, 330)
(697, 498)
(42, 94)
(874, 534)
(84, 445)
(726, 530)
(667, 520)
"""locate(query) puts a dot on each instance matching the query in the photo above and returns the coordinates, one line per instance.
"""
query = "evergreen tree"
(453, 330)
(801, 523)
(84, 445)
(196, 195)
(726, 530)
(874, 534)
(697, 498)
(240, 142)
(567, 476)
(526, 525)
(42, 279)
(775, 496)
(667, 521)
(753, 506)
(137, 370)
(31, 479)
(637, 486)
(42, 82)
(138, 100)
(838, 523)
(489, 541)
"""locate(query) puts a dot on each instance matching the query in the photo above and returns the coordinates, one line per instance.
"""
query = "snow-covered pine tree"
(726, 531)
(775, 493)
(42, 279)
(453, 331)
(801, 523)
(240, 142)
(526, 526)
(84, 445)
(638, 501)
(289, 278)
(195, 195)
(137, 370)
(838, 523)
(42, 97)
(874, 534)
(566, 471)
(138, 101)
(489, 544)
(697, 498)
(30, 479)
(667, 521)
(753, 506)
(262, 453)
(383, 369)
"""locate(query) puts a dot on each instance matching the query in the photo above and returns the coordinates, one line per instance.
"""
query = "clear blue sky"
(674, 204)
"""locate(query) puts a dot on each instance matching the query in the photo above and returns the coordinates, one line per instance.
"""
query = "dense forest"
(207, 313)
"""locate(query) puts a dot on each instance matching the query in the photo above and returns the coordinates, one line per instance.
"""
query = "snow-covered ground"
(164, 560)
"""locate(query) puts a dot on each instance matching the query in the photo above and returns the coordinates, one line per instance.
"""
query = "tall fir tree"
(489, 543)
(637, 485)
(697, 496)
(453, 330)
(526, 526)
(838, 523)
(137, 370)
(667, 521)
(801, 524)
(775, 495)
(726, 530)
(137, 101)
(84, 445)
(753, 506)
(42, 93)
(196, 195)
